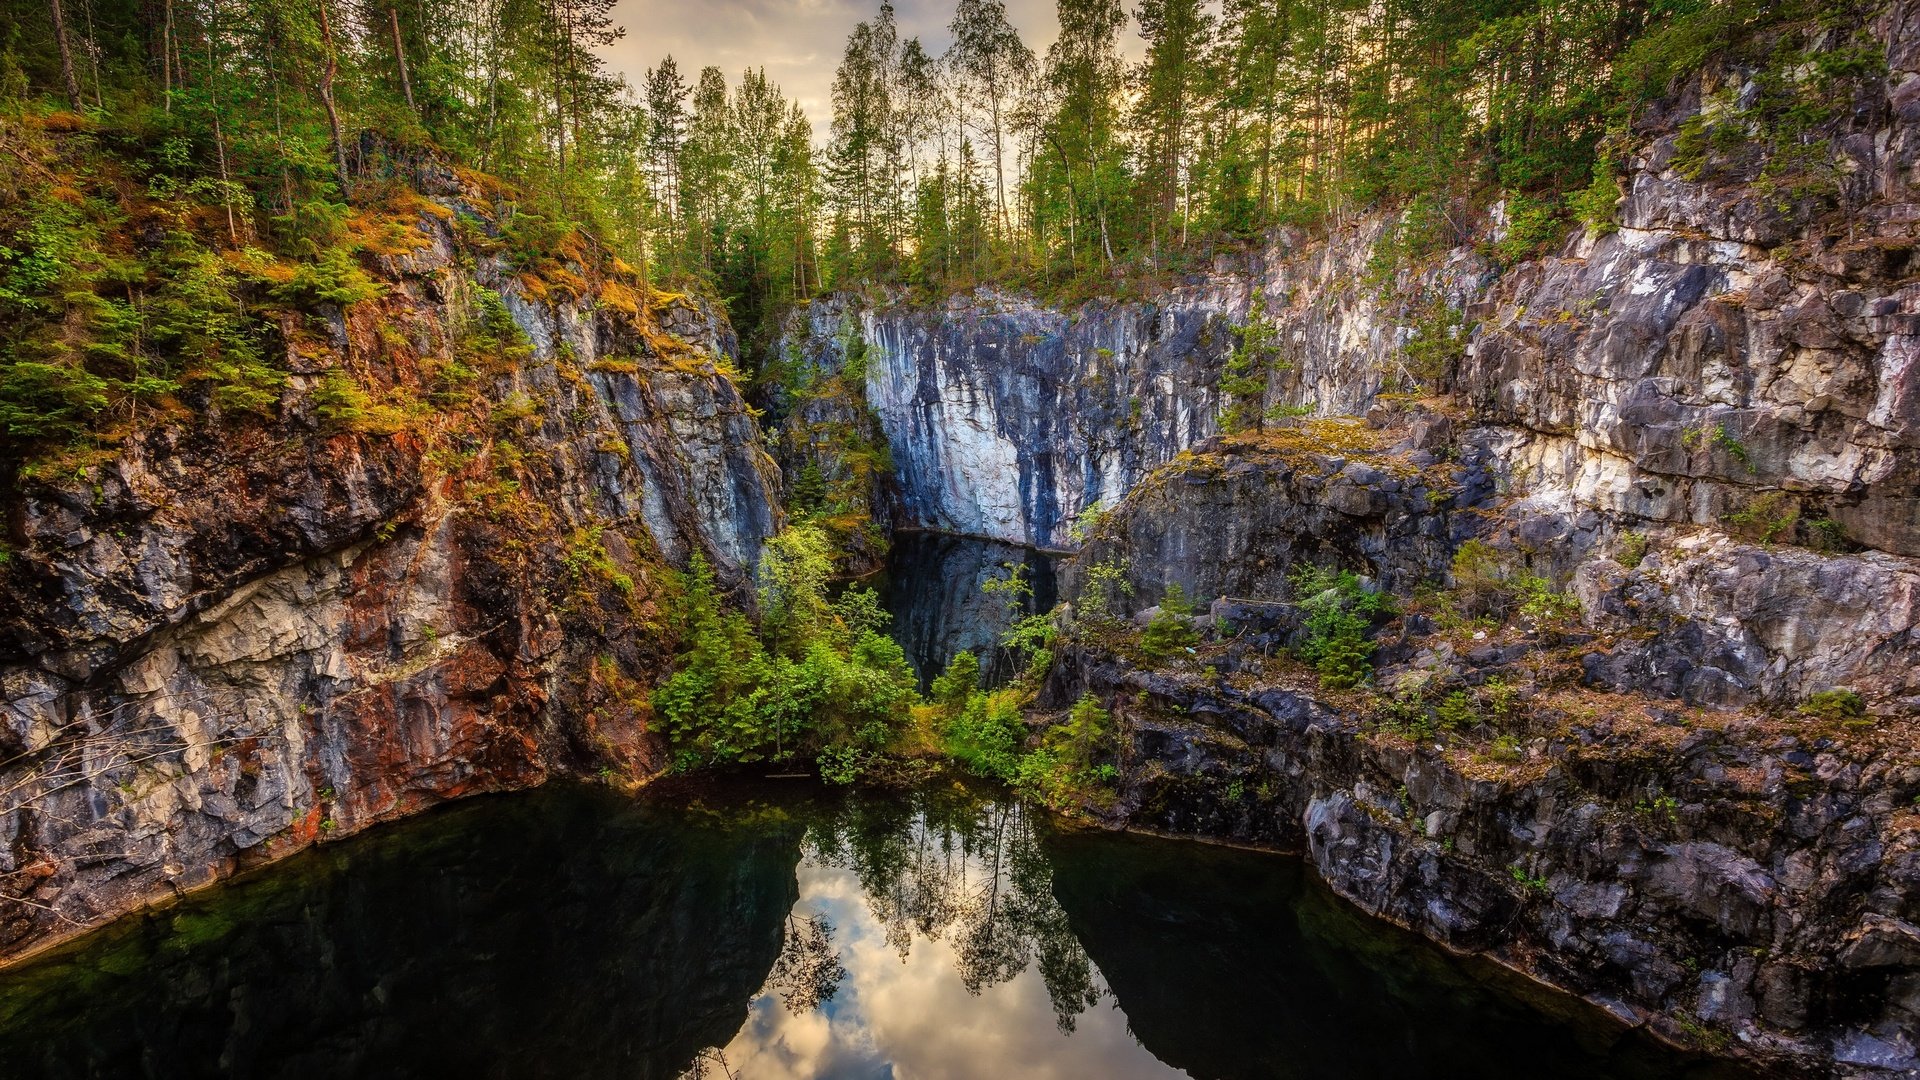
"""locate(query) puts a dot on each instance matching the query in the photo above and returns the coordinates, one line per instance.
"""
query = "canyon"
(1699, 420)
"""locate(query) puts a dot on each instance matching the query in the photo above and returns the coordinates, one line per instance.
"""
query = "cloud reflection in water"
(958, 964)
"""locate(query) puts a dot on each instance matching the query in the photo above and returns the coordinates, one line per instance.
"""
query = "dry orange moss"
(564, 280)
(534, 288)
(620, 298)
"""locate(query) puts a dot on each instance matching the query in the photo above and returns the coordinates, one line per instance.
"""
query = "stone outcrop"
(225, 641)
(1730, 882)
(1005, 419)
(1235, 517)
(1644, 725)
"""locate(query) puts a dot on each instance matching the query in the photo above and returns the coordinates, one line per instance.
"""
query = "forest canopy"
(983, 162)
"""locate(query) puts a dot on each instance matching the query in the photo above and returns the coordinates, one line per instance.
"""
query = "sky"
(798, 41)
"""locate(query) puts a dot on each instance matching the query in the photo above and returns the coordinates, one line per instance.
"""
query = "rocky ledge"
(1732, 881)
(438, 565)
(1669, 771)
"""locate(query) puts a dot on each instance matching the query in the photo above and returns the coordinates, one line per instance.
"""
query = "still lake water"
(773, 929)
(932, 585)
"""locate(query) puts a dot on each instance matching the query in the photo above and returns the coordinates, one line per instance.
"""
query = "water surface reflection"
(776, 930)
(969, 938)
(933, 587)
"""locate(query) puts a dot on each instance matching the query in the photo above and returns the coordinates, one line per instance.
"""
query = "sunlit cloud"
(798, 42)
(915, 1020)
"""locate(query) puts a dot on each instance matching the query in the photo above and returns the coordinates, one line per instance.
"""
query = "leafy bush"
(335, 279)
(1063, 772)
(1438, 342)
(1485, 584)
(313, 226)
(1533, 227)
(1541, 602)
(1633, 550)
(1243, 382)
(343, 406)
(843, 764)
(1085, 732)
(1171, 628)
(854, 369)
(1339, 613)
(1844, 706)
(1456, 712)
(1033, 637)
(588, 562)
(48, 401)
(1105, 589)
(826, 681)
(1086, 522)
(953, 687)
(988, 736)
(1593, 205)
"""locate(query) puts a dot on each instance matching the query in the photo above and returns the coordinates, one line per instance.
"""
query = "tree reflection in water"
(904, 903)
(969, 872)
(809, 971)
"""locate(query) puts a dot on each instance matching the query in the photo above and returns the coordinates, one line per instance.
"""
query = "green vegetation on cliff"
(818, 678)
(243, 128)
(1079, 169)
(181, 185)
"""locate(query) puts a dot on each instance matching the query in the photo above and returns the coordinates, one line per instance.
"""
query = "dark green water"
(777, 931)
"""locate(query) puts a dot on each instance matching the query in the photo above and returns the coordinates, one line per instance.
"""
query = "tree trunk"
(66, 57)
(219, 136)
(166, 57)
(400, 59)
(999, 170)
(327, 75)
(93, 57)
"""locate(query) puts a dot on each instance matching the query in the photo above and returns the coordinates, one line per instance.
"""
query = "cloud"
(798, 42)
(914, 1020)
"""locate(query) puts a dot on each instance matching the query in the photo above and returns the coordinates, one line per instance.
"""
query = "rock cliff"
(437, 568)
(1642, 722)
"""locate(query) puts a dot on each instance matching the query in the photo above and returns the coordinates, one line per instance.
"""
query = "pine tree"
(988, 51)
(666, 106)
(1166, 110)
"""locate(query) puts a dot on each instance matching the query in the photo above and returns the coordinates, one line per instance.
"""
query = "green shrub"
(1541, 602)
(587, 561)
(1087, 730)
(1062, 772)
(1845, 706)
(853, 371)
(1767, 517)
(1170, 630)
(1484, 584)
(313, 226)
(1339, 613)
(1243, 381)
(952, 687)
(340, 402)
(1105, 589)
(335, 279)
(1633, 550)
(1480, 579)
(52, 402)
(1456, 712)
(1437, 345)
(1033, 637)
(825, 681)
(1534, 226)
(1593, 205)
(843, 765)
(1086, 522)
(988, 736)
(533, 238)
